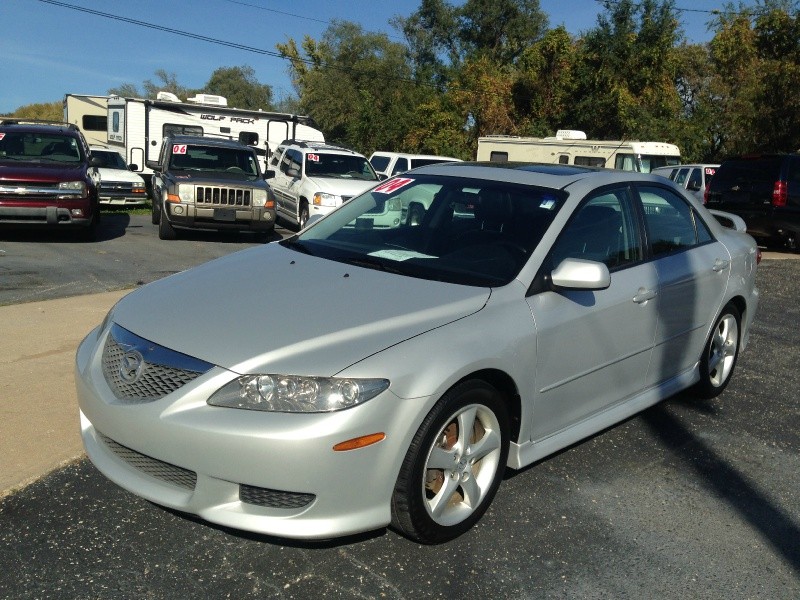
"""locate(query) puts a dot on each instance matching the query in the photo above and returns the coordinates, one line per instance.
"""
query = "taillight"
(758, 256)
(780, 194)
(705, 195)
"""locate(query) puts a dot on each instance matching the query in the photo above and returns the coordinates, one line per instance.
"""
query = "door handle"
(643, 295)
(720, 265)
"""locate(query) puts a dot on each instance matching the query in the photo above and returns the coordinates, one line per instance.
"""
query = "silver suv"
(313, 178)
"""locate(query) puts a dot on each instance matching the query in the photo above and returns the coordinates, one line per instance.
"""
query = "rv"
(570, 147)
(137, 126)
(90, 114)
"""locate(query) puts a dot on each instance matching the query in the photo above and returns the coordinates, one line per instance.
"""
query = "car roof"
(202, 140)
(553, 176)
(36, 126)
(407, 155)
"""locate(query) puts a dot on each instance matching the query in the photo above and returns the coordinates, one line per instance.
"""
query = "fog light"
(76, 212)
(267, 216)
(177, 210)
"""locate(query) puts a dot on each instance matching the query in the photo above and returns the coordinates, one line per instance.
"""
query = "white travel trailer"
(137, 126)
(90, 114)
(569, 147)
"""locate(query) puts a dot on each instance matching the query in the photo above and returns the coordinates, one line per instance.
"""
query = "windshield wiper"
(372, 263)
(296, 245)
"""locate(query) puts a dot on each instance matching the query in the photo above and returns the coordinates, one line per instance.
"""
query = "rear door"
(594, 347)
(693, 270)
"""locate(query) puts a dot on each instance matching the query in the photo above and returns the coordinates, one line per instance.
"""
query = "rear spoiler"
(729, 220)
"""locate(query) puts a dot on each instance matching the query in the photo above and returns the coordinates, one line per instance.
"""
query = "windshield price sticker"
(710, 170)
(393, 185)
(179, 149)
(313, 157)
(2, 135)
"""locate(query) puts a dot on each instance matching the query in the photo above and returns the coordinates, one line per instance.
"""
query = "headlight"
(73, 187)
(259, 197)
(289, 393)
(325, 199)
(186, 193)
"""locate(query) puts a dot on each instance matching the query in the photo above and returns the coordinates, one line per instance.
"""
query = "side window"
(563, 159)
(495, 156)
(590, 161)
(680, 179)
(625, 162)
(276, 156)
(401, 166)
(602, 229)
(695, 180)
(670, 221)
(248, 138)
(170, 129)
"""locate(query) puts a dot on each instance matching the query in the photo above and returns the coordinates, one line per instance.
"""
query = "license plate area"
(224, 214)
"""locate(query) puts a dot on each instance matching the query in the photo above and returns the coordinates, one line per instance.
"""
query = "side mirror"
(154, 165)
(269, 175)
(580, 274)
(382, 176)
(95, 161)
(133, 167)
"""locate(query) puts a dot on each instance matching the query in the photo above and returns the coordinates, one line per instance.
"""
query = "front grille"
(273, 498)
(222, 196)
(162, 371)
(177, 476)
(117, 187)
(30, 191)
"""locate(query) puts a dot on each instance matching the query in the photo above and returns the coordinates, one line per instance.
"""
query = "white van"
(389, 164)
(693, 178)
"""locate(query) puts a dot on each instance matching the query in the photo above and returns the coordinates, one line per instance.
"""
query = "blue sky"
(48, 50)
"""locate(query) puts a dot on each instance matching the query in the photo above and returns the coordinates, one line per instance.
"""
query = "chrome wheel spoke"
(439, 503)
(487, 444)
(441, 458)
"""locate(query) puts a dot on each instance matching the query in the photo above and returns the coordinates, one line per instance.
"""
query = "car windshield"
(109, 160)
(340, 166)
(233, 162)
(464, 231)
(39, 147)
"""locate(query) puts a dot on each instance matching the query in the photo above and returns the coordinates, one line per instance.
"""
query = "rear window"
(765, 170)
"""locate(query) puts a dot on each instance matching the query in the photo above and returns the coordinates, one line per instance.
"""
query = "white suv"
(393, 163)
(313, 178)
(119, 185)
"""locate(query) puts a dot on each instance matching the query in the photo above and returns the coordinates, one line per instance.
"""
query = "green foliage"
(240, 86)
(49, 111)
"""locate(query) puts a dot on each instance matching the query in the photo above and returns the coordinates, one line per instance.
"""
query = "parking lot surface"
(685, 500)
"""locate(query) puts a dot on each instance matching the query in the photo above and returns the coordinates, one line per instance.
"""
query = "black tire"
(302, 218)
(89, 233)
(428, 503)
(155, 214)
(165, 229)
(720, 354)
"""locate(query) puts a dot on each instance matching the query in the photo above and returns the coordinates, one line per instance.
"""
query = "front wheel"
(165, 229)
(302, 218)
(454, 465)
(720, 354)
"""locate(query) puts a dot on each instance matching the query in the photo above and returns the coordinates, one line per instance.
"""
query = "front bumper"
(49, 216)
(190, 216)
(271, 473)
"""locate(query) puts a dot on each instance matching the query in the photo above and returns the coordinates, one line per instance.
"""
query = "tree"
(357, 86)
(48, 111)
(166, 82)
(240, 86)
(626, 74)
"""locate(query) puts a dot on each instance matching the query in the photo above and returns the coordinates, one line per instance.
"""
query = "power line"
(219, 42)
(709, 11)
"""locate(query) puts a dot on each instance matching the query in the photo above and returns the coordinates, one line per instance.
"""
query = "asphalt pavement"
(686, 500)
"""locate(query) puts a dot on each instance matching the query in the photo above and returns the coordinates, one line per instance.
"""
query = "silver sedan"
(354, 376)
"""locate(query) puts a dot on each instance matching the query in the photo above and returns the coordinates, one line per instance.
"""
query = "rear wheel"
(720, 354)
(454, 465)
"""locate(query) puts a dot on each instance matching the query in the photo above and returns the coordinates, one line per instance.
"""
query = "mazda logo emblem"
(131, 366)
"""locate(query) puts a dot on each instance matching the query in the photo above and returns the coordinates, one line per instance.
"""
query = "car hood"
(107, 175)
(272, 309)
(342, 187)
(46, 172)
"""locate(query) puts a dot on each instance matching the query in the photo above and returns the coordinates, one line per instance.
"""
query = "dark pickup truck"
(209, 183)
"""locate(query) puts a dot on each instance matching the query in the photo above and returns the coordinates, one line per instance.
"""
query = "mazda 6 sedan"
(354, 377)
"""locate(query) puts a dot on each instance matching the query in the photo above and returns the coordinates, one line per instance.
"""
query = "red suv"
(45, 177)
